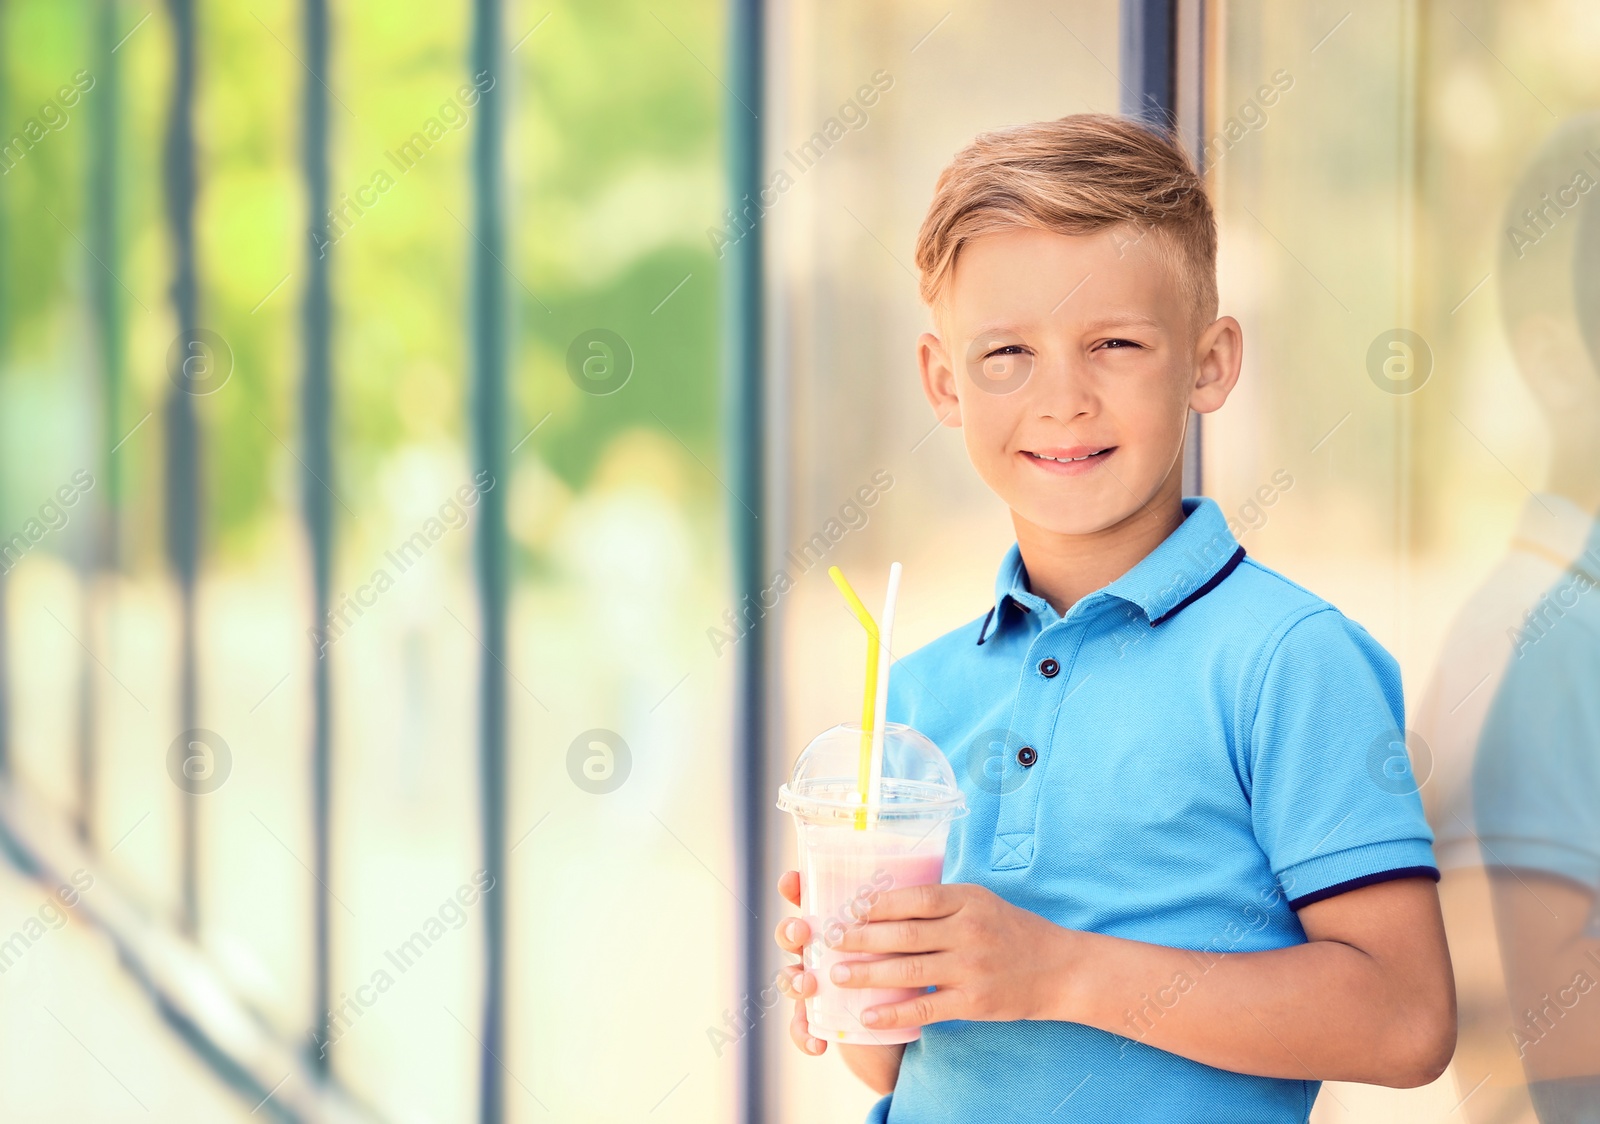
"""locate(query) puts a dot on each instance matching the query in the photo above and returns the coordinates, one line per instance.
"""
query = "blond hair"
(1079, 174)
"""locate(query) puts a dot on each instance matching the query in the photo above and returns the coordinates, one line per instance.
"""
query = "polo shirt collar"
(1558, 530)
(1187, 565)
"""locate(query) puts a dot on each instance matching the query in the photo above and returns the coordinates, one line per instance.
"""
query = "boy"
(1193, 881)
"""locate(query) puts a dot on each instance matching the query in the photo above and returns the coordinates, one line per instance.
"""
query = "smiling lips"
(1073, 461)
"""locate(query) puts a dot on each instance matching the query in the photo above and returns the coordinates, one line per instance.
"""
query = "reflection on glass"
(1513, 711)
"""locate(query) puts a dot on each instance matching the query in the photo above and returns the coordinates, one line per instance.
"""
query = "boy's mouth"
(1072, 461)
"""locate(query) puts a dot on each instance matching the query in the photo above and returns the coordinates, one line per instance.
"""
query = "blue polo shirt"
(1185, 758)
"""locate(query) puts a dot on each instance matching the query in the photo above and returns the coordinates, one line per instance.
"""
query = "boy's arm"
(1370, 997)
(1551, 962)
(876, 1066)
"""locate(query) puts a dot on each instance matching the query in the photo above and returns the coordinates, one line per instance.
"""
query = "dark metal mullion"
(1188, 107)
(5, 356)
(744, 294)
(103, 199)
(1148, 56)
(316, 412)
(488, 408)
(182, 436)
(1150, 92)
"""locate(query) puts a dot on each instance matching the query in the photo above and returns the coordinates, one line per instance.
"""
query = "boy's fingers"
(800, 1031)
(916, 935)
(795, 981)
(797, 1027)
(895, 971)
(792, 934)
(789, 886)
(936, 900)
(935, 1006)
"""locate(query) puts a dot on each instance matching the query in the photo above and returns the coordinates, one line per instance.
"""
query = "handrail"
(191, 994)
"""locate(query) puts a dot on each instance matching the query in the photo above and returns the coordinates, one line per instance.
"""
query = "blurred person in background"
(1512, 716)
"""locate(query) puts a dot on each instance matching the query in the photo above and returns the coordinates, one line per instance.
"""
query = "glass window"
(1412, 438)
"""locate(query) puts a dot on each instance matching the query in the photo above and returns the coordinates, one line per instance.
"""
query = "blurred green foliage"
(613, 175)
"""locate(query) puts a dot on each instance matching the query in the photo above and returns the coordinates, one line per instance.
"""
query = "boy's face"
(1070, 362)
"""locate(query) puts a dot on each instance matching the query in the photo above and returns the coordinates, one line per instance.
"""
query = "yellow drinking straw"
(869, 703)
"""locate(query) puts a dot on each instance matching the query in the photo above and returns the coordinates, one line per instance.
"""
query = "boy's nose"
(1060, 388)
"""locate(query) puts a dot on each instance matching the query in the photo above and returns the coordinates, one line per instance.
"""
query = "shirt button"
(1026, 756)
(1048, 668)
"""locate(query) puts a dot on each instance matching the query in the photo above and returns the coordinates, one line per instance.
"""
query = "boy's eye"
(1120, 344)
(1001, 369)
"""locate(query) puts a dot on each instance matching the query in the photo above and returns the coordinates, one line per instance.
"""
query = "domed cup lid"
(918, 783)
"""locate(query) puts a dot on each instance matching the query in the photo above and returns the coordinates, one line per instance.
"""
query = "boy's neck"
(1064, 568)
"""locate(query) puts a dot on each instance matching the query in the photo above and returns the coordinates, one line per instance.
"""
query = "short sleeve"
(1333, 798)
(1536, 779)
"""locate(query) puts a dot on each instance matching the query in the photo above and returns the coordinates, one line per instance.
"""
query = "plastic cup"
(844, 869)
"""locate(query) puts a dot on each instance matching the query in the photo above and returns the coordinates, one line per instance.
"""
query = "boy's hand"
(985, 956)
(792, 935)
(1368, 997)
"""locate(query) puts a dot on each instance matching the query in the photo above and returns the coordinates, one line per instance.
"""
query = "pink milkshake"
(845, 868)
(844, 873)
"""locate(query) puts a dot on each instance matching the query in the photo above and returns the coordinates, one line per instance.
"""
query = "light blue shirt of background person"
(1536, 793)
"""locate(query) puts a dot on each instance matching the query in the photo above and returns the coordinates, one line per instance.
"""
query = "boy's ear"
(938, 379)
(1218, 355)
